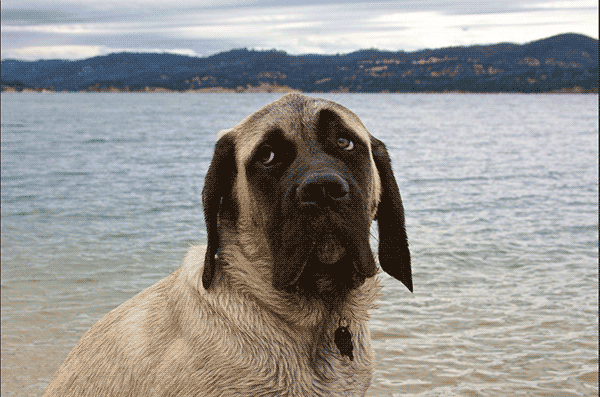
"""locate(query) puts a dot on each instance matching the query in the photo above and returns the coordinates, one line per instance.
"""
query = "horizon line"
(179, 53)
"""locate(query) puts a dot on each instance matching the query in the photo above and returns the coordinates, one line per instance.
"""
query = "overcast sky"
(75, 29)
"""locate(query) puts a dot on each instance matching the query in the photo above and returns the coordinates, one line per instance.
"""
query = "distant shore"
(275, 89)
(565, 63)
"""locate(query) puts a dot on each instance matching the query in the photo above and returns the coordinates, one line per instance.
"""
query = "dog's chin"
(329, 250)
(330, 271)
(324, 256)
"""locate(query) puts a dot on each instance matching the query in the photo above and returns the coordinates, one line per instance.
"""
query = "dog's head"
(306, 177)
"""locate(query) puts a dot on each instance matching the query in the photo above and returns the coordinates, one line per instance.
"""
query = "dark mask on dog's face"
(319, 202)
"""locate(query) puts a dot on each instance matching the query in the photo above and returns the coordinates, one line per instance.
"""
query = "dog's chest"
(316, 370)
(321, 378)
(343, 379)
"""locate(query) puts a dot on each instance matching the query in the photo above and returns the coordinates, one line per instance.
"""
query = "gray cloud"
(50, 28)
(52, 11)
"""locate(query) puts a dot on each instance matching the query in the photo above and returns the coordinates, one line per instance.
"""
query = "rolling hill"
(567, 62)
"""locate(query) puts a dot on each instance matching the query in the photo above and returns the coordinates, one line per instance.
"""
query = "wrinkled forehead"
(296, 117)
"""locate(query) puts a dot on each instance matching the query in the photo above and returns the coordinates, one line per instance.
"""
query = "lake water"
(101, 198)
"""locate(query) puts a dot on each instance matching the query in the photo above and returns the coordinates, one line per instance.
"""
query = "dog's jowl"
(277, 303)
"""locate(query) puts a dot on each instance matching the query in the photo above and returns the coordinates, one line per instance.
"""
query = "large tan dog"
(277, 305)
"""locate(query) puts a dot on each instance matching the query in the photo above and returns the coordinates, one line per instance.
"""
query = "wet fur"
(252, 314)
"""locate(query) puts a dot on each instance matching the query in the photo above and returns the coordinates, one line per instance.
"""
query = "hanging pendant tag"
(343, 341)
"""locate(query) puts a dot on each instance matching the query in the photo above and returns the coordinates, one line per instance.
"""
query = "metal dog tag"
(343, 341)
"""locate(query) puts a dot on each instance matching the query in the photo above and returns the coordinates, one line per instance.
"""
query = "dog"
(277, 303)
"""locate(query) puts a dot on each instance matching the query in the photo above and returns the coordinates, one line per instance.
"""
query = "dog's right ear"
(218, 201)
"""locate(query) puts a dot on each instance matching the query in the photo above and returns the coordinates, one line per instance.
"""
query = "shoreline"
(269, 89)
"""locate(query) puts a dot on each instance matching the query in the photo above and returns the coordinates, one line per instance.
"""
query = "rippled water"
(101, 198)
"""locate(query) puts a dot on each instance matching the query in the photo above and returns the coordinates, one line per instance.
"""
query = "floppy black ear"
(394, 255)
(217, 201)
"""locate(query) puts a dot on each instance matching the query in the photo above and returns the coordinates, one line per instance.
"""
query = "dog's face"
(315, 187)
(307, 176)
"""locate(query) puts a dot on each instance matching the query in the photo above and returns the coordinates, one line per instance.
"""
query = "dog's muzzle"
(325, 191)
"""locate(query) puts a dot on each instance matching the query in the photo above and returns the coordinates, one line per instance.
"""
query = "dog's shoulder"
(161, 331)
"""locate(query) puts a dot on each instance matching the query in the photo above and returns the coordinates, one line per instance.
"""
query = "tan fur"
(242, 337)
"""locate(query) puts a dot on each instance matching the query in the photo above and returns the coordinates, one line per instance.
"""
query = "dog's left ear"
(394, 255)
(218, 201)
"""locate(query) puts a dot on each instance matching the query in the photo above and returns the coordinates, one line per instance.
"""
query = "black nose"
(322, 188)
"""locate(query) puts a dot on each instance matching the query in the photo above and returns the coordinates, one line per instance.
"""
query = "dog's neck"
(255, 280)
(310, 322)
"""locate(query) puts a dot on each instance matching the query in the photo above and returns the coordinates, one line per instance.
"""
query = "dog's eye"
(266, 156)
(344, 143)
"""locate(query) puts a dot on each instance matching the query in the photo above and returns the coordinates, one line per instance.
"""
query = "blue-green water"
(101, 198)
